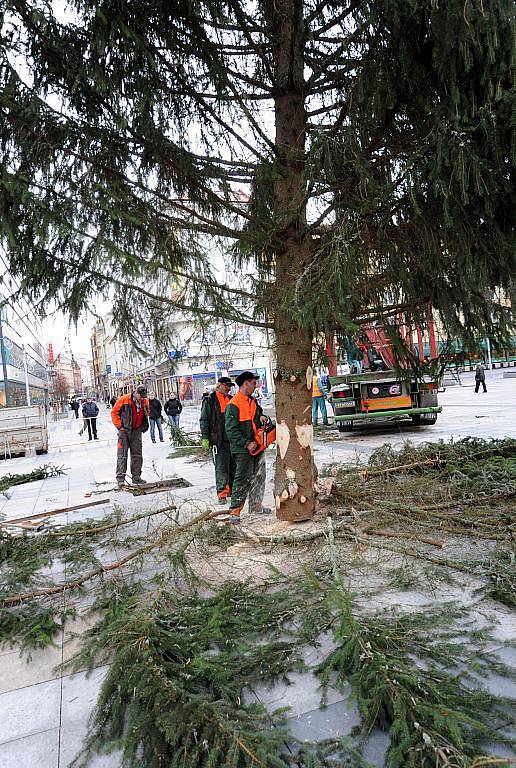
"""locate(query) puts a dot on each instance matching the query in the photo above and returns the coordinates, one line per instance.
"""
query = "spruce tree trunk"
(294, 489)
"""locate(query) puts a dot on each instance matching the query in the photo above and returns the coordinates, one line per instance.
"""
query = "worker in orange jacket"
(130, 415)
(319, 396)
(244, 419)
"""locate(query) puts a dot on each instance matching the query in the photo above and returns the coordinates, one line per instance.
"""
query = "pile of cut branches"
(185, 665)
(189, 658)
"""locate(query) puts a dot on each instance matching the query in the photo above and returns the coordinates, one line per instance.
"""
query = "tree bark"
(294, 487)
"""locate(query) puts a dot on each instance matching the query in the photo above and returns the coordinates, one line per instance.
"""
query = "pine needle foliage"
(181, 438)
(467, 485)
(47, 470)
(24, 565)
(500, 570)
(404, 683)
(130, 179)
(174, 693)
(34, 625)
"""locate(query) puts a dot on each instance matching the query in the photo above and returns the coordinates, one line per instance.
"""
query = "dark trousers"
(76, 411)
(249, 482)
(92, 428)
(224, 470)
(129, 441)
(478, 383)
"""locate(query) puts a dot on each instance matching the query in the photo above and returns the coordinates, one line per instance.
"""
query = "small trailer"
(23, 430)
(383, 396)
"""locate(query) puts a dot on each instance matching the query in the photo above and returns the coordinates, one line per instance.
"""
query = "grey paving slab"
(335, 721)
(375, 748)
(30, 710)
(18, 671)
(39, 750)
(301, 696)
(72, 737)
(80, 693)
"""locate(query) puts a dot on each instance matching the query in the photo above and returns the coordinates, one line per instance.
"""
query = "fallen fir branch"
(435, 718)
(102, 569)
(181, 662)
(41, 473)
(175, 692)
(96, 530)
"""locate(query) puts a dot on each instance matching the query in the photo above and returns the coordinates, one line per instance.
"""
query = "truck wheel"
(345, 426)
(416, 419)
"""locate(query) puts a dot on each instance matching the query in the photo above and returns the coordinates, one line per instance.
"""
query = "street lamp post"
(4, 360)
(489, 357)
(26, 372)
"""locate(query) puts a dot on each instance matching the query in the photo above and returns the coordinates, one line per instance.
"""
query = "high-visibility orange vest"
(316, 390)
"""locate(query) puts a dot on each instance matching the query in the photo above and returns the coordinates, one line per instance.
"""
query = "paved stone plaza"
(44, 713)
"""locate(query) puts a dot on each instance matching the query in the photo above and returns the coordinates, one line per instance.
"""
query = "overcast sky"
(63, 336)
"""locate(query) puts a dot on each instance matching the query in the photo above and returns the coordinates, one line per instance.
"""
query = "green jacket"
(212, 421)
(241, 412)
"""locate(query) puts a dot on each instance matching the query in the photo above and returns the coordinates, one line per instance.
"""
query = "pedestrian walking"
(243, 420)
(173, 408)
(155, 409)
(213, 435)
(130, 415)
(318, 401)
(112, 401)
(90, 411)
(75, 405)
(480, 377)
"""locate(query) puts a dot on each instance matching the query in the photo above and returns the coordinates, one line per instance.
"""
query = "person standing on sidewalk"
(243, 418)
(74, 405)
(155, 410)
(130, 415)
(213, 435)
(318, 401)
(90, 411)
(480, 377)
(173, 408)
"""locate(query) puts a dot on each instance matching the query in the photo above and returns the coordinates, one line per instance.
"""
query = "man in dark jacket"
(155, 417)
(75, 405)
(480, 377)
(213, 435)
(173, 408)
(243, 418)
(90, 411)
(130, 415)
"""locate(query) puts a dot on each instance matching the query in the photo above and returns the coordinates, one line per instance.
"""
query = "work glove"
(205, 443)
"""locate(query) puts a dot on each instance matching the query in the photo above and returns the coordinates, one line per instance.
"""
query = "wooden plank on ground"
(61, 511)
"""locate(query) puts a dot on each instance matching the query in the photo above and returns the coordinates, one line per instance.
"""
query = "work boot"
(120, 485)
(139, 481)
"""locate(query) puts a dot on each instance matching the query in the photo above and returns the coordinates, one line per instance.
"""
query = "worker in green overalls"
(213, 435)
